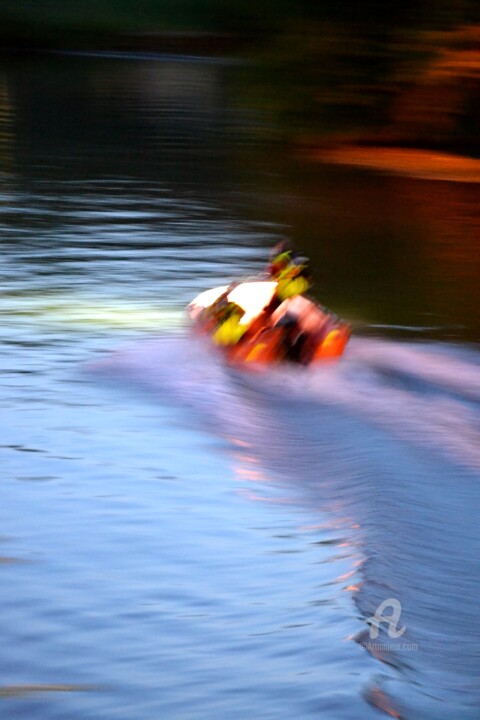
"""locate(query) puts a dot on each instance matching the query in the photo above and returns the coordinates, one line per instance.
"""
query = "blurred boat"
(296, 330)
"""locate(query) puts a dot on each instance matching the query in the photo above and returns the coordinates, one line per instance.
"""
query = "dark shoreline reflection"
(385, 250)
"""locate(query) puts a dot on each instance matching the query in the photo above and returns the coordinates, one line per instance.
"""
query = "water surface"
(183, 540)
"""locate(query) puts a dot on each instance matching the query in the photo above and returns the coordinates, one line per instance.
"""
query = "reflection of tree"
(407, 70)
(6, 126)
(397, 86)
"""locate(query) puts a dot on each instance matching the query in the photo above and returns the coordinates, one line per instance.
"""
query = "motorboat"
(265, 330)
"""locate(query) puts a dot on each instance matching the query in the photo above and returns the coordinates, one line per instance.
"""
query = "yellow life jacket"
(288, 287)
(229, 331)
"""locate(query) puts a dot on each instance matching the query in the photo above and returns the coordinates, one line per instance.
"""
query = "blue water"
(180, 539)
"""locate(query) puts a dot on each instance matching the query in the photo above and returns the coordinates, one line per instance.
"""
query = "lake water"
(181, 540)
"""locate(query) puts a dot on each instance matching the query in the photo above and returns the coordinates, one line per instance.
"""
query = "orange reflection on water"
(378, 699)
(243, 469)
(236, 441)
(252, 475)
(345, 576)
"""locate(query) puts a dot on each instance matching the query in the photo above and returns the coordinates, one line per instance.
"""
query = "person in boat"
(222, 320)
(278, 331)
(289, 269)
(229, 330)
(289, 326)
